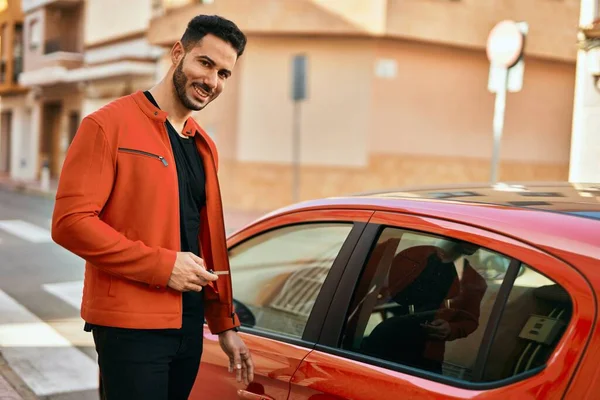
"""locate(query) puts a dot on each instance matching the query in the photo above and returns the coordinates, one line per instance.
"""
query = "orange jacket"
(117, 207)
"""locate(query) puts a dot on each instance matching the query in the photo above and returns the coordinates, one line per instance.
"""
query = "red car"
(483, 292)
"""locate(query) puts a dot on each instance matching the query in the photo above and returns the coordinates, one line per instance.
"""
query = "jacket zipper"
(144, 153)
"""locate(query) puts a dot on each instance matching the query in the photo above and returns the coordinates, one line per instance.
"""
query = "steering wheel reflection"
(244, 314)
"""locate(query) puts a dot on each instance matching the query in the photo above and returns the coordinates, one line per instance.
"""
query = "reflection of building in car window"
(277, 275)
(300, 291)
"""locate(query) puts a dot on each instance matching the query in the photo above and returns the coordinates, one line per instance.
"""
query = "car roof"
(555, 216)
(576, 199)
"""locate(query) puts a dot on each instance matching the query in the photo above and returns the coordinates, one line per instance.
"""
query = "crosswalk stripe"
(45, 360)
(26, 230)
(69, 292)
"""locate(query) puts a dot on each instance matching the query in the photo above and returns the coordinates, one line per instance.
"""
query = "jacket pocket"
(145, 154)
(112, 287)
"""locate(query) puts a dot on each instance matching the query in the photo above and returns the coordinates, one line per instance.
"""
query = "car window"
(425, 301)
(277, 275)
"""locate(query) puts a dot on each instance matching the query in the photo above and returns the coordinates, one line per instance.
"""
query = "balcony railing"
(56, 45)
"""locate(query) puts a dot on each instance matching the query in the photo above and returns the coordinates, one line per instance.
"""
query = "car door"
(284, 274)
(503, 320)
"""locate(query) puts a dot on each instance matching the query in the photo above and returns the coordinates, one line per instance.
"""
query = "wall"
(553, 24)
(33, 57)
(123, 20)
(337, 17)
(336, 113)
(24, 142)
(430, 124)
(439, 104)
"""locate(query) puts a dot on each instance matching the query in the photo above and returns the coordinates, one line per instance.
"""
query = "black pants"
(147, 364)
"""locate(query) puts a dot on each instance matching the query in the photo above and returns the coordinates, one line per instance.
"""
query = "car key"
(218, 272)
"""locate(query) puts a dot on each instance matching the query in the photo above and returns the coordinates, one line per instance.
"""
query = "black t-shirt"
(192, 198)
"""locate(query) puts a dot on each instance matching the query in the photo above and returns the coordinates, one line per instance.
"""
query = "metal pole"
(296, 153)
(498, 124)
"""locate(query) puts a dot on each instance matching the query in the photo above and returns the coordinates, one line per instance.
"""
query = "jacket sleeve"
(472, 289)
(85, 185)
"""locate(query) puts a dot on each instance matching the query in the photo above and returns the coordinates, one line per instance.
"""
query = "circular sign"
(505, 44)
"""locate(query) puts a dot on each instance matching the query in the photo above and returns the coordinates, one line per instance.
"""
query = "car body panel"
(323, 374)
(275, 360)
(275, 363)
(505, 219)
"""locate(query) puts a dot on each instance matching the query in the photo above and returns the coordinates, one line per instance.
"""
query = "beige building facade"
(585, 140)
(397, 94)
(14, 124)
(79, 55)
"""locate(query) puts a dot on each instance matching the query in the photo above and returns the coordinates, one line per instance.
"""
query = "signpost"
(504, 50)
(299, 64)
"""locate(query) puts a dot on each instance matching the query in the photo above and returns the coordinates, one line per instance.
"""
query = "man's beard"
(180, 83)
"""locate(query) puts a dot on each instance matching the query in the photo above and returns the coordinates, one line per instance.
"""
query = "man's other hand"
(189, 273)
(438, 329)
(240, 359)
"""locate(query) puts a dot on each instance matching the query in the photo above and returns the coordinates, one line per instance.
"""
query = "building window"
(35, 34)
(17, 52)
(3, 52)
(74, 118)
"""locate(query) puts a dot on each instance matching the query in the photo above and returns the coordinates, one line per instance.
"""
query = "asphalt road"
(41, 333)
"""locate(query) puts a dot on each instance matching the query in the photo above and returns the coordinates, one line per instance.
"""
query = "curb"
(15, 383)
(24, 189)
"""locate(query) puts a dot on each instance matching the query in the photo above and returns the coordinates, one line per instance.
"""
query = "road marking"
(46, 361)
(26, 230)
(69, 292)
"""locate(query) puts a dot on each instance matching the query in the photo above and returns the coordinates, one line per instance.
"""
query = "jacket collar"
(189, 129)
(148, 108)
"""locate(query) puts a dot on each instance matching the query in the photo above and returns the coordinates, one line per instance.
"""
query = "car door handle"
(244, 394)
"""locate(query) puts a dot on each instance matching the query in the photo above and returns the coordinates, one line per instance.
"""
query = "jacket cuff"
(219, 318)
(164, 268)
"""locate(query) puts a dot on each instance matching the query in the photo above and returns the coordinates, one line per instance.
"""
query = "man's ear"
(177, 53)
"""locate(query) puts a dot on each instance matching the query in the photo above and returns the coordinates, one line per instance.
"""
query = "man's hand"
(189, 273)
(240, 359)
(438, 329)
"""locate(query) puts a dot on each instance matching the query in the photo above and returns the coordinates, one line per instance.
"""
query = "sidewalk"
(29, 187)
(11, 386)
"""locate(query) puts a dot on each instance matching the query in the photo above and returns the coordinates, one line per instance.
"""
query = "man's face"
(450, 251)
(201, 73)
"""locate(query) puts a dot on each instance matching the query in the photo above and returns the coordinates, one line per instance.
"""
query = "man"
(139, 200)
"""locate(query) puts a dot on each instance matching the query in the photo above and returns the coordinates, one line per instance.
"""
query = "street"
(41, 332)
(41, 335)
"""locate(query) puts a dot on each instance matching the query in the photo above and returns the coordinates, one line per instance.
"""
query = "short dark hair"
(202, 25)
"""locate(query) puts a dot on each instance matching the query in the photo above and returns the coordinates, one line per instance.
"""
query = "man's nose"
(211, 80)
